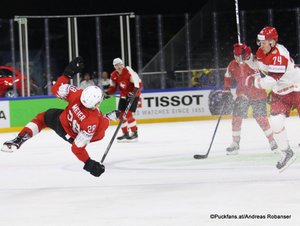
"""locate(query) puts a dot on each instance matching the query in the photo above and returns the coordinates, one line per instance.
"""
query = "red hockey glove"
(95, 168)
(242, 50)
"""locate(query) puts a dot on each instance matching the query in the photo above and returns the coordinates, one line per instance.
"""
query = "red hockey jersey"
(77, 118)
(239, 73)
(275, 63)
(125, 83)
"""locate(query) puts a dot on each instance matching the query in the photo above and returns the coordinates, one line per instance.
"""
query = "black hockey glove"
(226, 95)
(106, 95)
(74, 67)
(95, 168)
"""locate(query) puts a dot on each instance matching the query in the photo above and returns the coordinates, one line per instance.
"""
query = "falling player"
(126, 80)
(79, 123)
(246, 97)
(279, 74)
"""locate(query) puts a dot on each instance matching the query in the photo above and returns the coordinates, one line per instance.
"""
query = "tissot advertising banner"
(174, 104)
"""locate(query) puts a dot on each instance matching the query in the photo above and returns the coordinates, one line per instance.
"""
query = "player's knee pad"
(277, 122)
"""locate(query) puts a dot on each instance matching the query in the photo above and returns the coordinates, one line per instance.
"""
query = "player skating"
(79, 123)
(279, 74)
(126, 80)
(236, 71)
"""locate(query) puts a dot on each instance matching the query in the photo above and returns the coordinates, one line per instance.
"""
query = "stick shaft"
(237, 21)
(119, 125)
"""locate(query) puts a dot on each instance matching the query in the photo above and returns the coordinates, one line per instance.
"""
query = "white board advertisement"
(4, 114)
(174, 104)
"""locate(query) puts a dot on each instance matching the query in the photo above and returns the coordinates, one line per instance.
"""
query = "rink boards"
(155, 106)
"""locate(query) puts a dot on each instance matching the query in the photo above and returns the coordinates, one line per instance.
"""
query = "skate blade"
(128, 141)
(232, 153)
(8, 148)
(292, 160)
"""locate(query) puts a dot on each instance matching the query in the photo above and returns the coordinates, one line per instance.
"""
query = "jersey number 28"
(73, 123)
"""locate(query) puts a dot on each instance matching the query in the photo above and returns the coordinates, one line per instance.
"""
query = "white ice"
(153, 182)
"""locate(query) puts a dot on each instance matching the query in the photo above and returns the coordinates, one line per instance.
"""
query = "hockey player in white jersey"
(277, 72)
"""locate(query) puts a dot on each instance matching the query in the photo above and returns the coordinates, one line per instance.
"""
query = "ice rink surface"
(152, 182)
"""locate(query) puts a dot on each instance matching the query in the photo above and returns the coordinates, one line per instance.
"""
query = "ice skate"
(233, 149)
(288, 157)
(134, 136)
(125, 137)
(273, 146)
(12, 145)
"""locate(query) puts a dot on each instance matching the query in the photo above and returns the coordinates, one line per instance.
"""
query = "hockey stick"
(119, 125)
(237, 21)
(213, 137)
(238, 30)
(223, 107)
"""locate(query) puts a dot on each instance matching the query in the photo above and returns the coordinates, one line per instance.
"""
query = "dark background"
(10, 8)
(227, 31)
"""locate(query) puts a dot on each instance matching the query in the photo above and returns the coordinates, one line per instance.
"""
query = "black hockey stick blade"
(213, 137)
(200, 156)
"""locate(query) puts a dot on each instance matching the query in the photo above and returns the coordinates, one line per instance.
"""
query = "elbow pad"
(266, 82)
(63, 91)
(82, 139)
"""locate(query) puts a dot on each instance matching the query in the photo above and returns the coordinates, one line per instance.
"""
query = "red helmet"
(240, 49)
(268, 33)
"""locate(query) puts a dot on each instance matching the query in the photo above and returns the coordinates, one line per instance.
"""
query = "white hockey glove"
(113, 115)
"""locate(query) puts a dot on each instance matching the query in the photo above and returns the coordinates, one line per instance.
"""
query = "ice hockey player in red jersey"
(236, 71)
(277, 72)
(79, 123)
(126, 79)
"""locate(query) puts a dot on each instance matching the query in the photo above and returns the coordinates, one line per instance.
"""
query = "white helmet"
(91, 96)
(117, 61)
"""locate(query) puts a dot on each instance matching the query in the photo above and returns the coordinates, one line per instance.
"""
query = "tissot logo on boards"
(166, 101)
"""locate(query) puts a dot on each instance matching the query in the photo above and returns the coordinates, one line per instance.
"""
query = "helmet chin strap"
(271, 49)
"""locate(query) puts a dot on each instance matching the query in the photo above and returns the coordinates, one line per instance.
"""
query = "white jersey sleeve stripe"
(134, 78)
(34, 128)
(227, 74)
